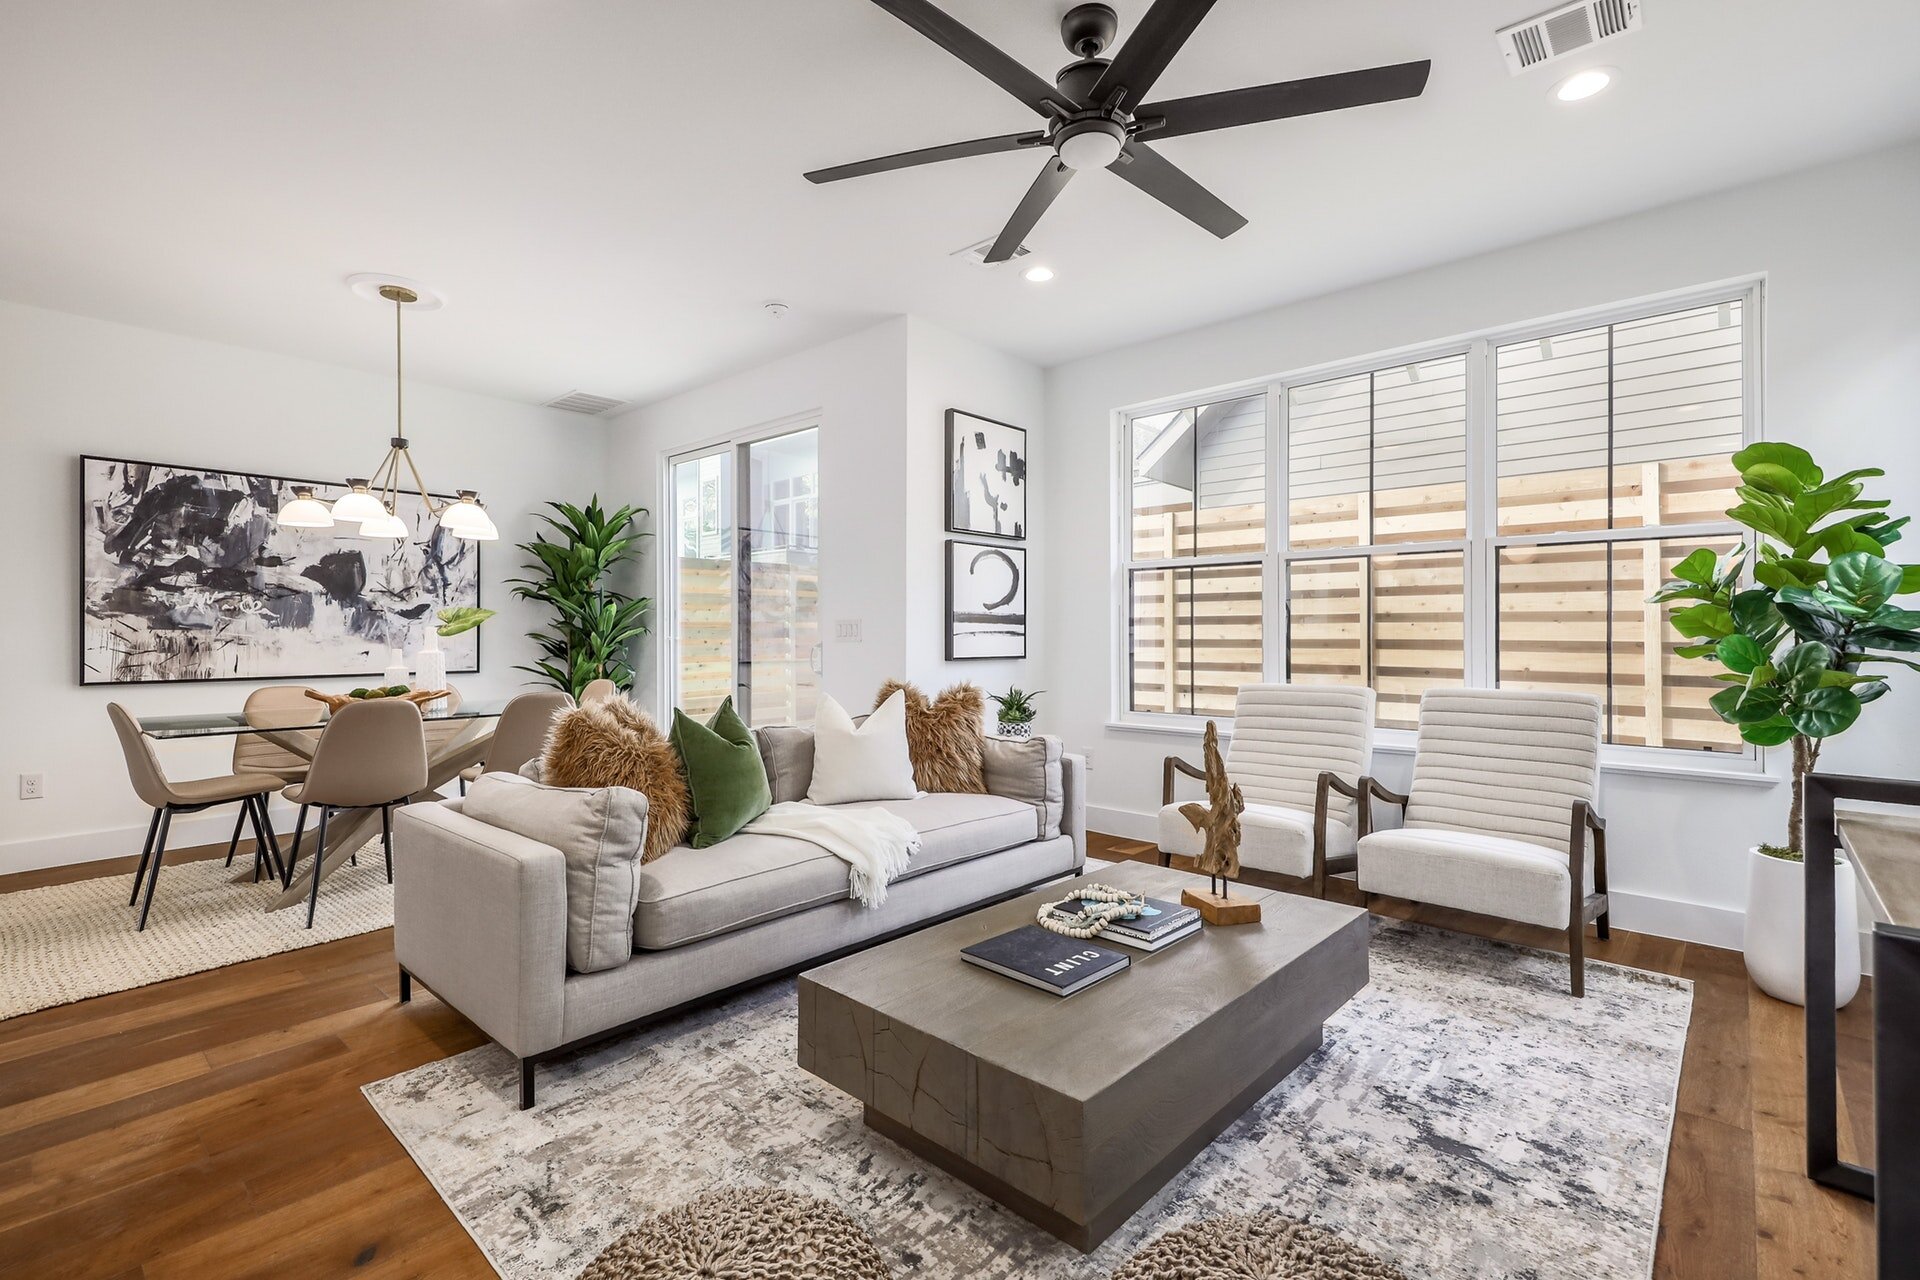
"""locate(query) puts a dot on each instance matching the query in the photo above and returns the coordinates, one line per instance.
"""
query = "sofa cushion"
(787, 752)
(725, 775)
(599, 831)
(868, 761)
(700, 893)
(1028, 771)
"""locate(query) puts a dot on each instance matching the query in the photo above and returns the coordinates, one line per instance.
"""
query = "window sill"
(1737, 772)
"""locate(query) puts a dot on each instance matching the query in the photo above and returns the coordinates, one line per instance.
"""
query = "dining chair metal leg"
(153, 872)
(251, 813)
(386, 837)
(233, 841)
(293, 858)
(319, 856)
(263, 832)
(146, 852)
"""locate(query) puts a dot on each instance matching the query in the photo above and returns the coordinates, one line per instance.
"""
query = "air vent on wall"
(1552, 35)
(977, 253)
(581, 402)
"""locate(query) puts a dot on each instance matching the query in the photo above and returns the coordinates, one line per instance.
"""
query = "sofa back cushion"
(787, 752)
(599, 831)
(864, 762)
(1028, 771)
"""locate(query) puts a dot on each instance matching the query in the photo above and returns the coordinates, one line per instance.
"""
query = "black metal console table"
(1886, 853)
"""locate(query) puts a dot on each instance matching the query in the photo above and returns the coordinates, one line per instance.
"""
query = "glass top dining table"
(217, 724)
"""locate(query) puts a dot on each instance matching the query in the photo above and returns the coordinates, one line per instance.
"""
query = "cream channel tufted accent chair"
(1298, 754)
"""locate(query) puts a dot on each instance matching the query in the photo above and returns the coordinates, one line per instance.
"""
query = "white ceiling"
(606, 191)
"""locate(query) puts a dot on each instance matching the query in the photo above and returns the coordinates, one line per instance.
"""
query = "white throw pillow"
(869, 762)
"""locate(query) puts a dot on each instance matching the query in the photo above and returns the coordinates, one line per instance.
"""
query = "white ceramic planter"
(1775, 937)
(1016, 729)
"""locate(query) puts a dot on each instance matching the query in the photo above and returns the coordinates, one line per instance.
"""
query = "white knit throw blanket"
(876, 844)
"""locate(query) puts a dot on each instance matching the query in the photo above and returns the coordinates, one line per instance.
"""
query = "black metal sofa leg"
(526, 1084)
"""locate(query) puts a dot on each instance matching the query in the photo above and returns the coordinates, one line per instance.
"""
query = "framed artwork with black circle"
(986, 477)
(986, 600)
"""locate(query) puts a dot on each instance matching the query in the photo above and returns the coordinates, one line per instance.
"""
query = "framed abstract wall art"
(185, 575)
(986, 477)
(986, 600)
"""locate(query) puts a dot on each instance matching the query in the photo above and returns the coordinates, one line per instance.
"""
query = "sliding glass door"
(746, 570)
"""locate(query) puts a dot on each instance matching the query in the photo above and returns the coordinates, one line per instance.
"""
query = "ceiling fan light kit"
(368, 508)
(1098, 116)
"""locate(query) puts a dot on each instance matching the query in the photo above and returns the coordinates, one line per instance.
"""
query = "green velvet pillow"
(724, 773)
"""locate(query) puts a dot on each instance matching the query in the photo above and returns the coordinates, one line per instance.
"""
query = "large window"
(1489, 513)
(746, 579)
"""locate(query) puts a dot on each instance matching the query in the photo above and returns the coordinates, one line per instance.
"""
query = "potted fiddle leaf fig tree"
(1802, 620)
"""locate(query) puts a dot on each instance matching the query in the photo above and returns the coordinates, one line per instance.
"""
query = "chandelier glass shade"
(369, 507)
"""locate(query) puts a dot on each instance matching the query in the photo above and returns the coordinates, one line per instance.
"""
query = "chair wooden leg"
(146, 852)
(386, 837)
(153, 872)
(319, 856)
(233, 841)
(1577, 955)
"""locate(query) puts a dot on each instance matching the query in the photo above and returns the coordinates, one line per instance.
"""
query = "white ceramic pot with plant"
(1016, 712)
(1804, 648)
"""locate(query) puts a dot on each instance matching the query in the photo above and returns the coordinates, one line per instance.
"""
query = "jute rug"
(1465, 1119)
(66, 942)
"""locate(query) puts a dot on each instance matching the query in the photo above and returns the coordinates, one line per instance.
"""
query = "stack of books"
(1161, 925)
(1050, 961)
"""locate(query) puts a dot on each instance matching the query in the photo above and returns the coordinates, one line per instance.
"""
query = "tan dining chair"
(520, 735)
(372, 755)
(598, 691)
(280, 706)
(167, 798)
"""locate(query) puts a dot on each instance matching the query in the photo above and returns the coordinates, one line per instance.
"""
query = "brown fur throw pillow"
(943, 736)
(612, 744)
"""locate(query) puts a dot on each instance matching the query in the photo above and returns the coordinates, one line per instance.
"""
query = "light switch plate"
(847, 629)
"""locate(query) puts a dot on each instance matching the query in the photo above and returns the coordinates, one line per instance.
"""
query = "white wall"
(880, 397)
(70, 386)
(1842, 266)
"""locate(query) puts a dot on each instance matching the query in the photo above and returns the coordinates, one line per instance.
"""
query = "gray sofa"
(481, 913)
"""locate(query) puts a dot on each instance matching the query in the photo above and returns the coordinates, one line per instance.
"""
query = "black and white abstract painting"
(986, 476)
(186, 575)
(986, 600)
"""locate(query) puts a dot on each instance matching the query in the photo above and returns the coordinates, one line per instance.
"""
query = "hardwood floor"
(212, 1127)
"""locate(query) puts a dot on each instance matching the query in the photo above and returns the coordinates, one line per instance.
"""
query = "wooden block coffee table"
(1074, 1112)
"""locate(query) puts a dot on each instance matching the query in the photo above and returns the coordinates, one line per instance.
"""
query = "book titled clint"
(1046, 960)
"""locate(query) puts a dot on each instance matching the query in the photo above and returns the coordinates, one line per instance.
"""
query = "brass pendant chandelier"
(369, 507)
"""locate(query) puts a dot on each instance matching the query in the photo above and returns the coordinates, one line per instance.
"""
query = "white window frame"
(735, 445)
(1482, 543)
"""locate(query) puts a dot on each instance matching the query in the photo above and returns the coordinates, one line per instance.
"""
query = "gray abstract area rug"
(66, 942)
(1465, 1119)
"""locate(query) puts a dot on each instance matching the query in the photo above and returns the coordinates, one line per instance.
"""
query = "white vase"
(430, 666)
(1775, 937)
(396, 669)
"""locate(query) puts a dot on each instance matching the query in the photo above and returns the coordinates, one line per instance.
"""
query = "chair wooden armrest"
(1330, 781)
(1173, 765)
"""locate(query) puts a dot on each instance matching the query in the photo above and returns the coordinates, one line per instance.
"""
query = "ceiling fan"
(1097, 117)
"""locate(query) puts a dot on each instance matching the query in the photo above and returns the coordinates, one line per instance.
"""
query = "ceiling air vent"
(977, 253)
(581, 402)
(1552, 35)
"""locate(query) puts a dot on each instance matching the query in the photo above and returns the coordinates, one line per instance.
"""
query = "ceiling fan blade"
(1160, 178)
(1148, 50)
(962, 43)
(1052, 180)
(927, 155)
(1233, 107)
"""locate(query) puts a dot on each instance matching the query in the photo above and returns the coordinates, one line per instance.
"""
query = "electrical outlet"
(33, 786)
(847, 629)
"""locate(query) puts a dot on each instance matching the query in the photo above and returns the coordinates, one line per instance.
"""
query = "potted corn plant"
(1016, 712)
(1801, 620)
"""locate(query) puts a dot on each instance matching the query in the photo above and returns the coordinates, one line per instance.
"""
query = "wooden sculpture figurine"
(1218, 822)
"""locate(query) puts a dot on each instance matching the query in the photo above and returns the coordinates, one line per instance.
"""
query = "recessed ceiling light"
(1039, 275)
(1583, 84)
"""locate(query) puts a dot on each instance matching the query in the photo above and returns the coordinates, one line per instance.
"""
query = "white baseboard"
(1684, 921)
(188, 831)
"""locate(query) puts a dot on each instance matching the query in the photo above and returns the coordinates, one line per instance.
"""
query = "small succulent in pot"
(1016, 712)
